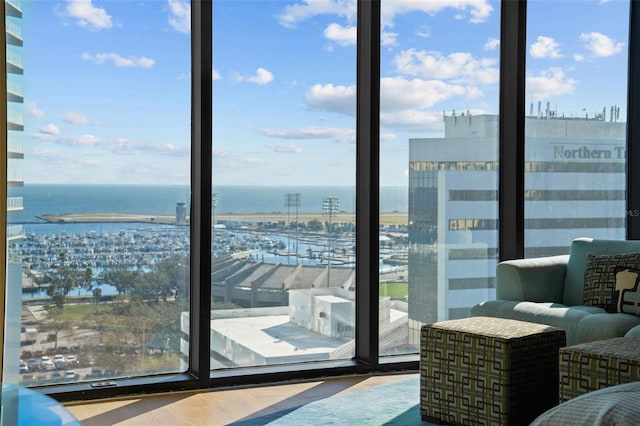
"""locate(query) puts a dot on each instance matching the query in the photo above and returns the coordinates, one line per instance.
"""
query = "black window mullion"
(633, 118)
(201, 189)
(513, 47)
(367, 181)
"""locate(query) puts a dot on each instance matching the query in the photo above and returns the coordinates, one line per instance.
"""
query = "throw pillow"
(600, 278)
(627, 292)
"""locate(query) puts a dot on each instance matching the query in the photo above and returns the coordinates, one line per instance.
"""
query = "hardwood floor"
(219, 407)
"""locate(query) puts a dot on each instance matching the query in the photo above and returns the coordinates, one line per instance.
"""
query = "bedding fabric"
(615, 405)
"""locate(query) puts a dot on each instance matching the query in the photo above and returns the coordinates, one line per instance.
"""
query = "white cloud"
(424, 32)
(340, 99)
(458, 66)
(33, 110)
(64, 158)
(50, 129)
(412, 120)
(600, 45)
(578, 57)
(403, 104)
(75, 118)
(87, 15)
(544, 47)
(67, 140)
(122, 146)
(475, 10)
(216, 75)
(295, 13)
(180, 18)
(262, 77)
(337, 134)
(344, 36)
(235, 161)
(387, 38)
(285, 148)
(492, 44)
(550, 83)
(399, 94)
(385, 137)
(118, 146)
(120, 61)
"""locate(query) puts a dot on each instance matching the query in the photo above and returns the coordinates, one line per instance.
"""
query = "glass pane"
(575, 127)
(438, 213)
(99, 148)
(283, 181)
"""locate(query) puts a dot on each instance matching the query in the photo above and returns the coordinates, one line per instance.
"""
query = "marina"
(141, 246)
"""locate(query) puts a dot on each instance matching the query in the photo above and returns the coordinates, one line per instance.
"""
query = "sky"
(107, 83)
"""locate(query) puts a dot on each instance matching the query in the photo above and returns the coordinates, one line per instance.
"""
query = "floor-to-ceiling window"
(99, 189)
(575, 125)
(438, 164)
(283, 252)
(102, 148)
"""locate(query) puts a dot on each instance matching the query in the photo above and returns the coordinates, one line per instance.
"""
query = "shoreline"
(392, 218)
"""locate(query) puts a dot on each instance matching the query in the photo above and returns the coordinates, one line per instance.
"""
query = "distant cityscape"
(266, 272)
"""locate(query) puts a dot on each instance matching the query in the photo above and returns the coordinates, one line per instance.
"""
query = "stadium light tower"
(330, 205)
(292, 200)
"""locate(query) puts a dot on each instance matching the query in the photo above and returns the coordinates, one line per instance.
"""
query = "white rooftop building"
(317, 325)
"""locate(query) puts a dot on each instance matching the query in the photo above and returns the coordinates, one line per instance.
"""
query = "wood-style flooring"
(218, 407)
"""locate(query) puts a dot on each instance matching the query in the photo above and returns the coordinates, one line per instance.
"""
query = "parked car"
(46, 363)
(72, 359)
(23, 367)
(33, 364)
(71, 375)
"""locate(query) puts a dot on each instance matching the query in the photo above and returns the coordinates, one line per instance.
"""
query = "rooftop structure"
(317, 325)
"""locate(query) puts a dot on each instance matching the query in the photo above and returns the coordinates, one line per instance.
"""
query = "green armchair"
(549, 290)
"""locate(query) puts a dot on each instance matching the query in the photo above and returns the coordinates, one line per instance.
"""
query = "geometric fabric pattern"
(627, 291)
(600, 278)
(596, 365)
(488, 371)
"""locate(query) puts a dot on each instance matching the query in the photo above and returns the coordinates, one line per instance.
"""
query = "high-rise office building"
(574, 187)
(15, 153)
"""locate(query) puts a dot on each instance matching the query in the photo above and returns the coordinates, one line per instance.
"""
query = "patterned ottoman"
(488, 371)
(596, 365)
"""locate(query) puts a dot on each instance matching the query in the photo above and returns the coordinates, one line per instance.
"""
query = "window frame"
(367, 359)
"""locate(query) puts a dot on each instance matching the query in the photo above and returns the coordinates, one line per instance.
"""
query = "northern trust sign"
(584, 152)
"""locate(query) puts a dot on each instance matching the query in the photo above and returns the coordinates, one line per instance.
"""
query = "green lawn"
(77, 311)
(398, 290)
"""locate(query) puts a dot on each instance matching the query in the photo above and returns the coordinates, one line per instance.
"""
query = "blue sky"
(106, 83)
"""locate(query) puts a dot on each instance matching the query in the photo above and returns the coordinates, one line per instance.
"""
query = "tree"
(87, 280)
(122, 278)
(162, 282)
(61, 281)
(58, 299)
(97, 293)
(314, 225)
(55, 323)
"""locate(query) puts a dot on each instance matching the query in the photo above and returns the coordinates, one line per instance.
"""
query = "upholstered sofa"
(575, 292)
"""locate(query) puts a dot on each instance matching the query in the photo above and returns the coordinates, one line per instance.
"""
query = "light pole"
(330, 205)
(292, 200)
